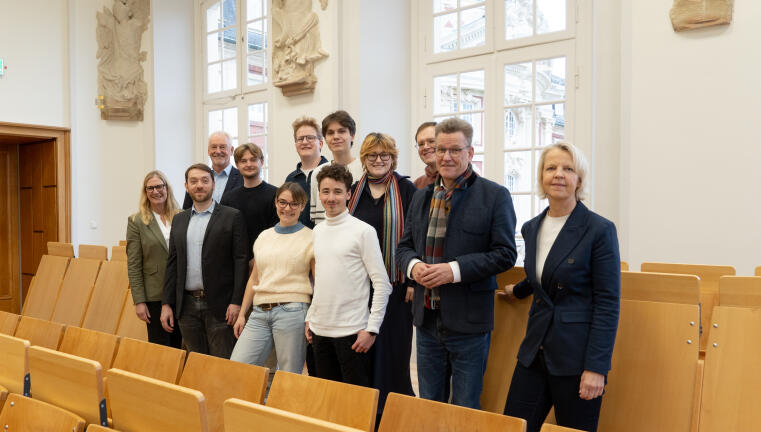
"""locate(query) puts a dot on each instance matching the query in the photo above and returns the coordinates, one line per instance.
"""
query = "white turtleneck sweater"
(347, 259)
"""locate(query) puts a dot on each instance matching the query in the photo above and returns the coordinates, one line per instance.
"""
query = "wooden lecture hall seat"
(26, 414)
(332, 401)
(69, 382)
(8, 322)
(239, 415)
(142, 404)
(129, 324)
(421, 415)
(93, 252)
(14, 366)
(740, 291)
(3, 396)
(152, 360)
(75, 292)
(119, 253)
(44, 333)
(61, 249)
(43, 290)
(660, 287)
(555, 428)
(106, 302)
(90, 344)
(99, 428)
(221, 379)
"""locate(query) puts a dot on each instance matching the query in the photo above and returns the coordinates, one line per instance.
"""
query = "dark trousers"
(202, 331)
(533, 391)
(335, 360)
(156, 333)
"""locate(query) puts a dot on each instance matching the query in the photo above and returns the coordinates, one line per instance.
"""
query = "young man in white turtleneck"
(348, 260)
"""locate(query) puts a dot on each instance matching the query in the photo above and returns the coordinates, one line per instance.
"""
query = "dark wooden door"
(9, 228)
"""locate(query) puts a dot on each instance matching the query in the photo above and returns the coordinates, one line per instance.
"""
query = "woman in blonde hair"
(147, 251)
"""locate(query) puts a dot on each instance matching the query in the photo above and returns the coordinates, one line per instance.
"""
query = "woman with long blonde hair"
(147, 252)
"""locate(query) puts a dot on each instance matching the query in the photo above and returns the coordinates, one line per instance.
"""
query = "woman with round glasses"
(147, 252)
(279, 289)
(380, 198)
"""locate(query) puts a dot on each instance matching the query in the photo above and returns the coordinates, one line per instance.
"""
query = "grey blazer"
(147, 253)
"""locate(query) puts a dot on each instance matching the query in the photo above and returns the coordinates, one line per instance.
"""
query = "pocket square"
(571, 260)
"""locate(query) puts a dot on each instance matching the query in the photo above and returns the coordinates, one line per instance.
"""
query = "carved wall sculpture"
(692, 14)
(297, 45)
(121, 88)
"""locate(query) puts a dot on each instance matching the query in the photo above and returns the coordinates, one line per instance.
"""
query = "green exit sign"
(2, 67)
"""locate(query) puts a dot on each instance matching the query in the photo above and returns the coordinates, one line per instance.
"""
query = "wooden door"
(9, 241)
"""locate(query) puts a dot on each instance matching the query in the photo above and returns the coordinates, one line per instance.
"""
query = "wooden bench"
(8, 322)
(122, 242)
(152, 360)
(652, 381)
(332, 401)
(421, 415)
(69, 382)
(660, 287)
(3, 396)
(119, 253)
(129, 324)
(510, 320)
(95, 252)
(624, 266)
(47, 334)
(14, 367)
(240, 415)
(221, 379)
(105, 306)
(43, 291)
(77, 287)
(709, 286)
(140, 404)
(26, 414)
(61, 249)
(90, 344)
(732, 378)
(740, 291)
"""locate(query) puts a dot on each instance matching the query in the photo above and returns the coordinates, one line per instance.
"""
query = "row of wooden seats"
(118, 253)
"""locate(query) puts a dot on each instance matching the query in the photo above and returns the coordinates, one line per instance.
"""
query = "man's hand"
(239, 324)
(435, 275)
(417, 271)
(167, 318)
(410, 294)
(141, 309)
(506, 293)
(364, 341)
(592, 385)
(232, 313)
(307, 332)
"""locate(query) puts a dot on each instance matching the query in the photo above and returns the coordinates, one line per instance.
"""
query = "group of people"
(338, 264)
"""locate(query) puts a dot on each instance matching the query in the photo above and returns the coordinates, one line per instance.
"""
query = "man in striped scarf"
(458, 235)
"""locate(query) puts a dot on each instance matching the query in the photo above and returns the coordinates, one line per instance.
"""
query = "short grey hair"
(227, 136)
(454, 125)
(579, 165)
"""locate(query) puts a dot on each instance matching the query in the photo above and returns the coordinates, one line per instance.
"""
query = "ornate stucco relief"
(692, 14)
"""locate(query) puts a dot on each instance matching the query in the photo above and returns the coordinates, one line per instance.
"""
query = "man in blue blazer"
(459, 233)
(226, 176)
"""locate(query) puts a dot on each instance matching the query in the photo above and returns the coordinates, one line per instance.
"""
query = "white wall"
(34, 46)
(690, 140)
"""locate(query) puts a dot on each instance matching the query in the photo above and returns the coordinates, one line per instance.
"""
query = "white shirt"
(165, 229)
(220, 182)
(316, 210)
(545, 238)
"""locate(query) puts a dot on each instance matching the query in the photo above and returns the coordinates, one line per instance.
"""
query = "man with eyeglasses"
(308, 140)
(226, 176)
(425, 141)
(459, 234)
(256, 198)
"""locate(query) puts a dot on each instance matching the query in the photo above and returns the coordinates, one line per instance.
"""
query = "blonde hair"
(579, 165)
(171, 207)
(384, 142)
(307, 121)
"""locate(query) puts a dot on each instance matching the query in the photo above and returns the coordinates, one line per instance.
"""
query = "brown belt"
(269, 306)
(197, 294)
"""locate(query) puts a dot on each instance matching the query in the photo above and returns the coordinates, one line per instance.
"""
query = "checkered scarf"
(437, 226)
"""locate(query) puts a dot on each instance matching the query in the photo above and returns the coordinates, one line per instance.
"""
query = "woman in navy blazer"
(573, 270)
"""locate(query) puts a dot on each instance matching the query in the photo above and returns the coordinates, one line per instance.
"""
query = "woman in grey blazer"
(147, 251)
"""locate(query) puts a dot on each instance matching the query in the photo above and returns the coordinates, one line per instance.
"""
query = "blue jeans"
(467, 353)
(282, 326)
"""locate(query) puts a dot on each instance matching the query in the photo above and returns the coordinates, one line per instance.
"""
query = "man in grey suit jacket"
(206, 270)
(226, 177)
(459, 233)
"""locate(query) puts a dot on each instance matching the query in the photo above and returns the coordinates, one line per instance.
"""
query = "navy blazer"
(577, 329)
(235, 180)
(224, 260)
(480, 237)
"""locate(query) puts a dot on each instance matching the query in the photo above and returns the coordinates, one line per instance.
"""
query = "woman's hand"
(142, 312)
(592, 385)
(506, 293)
(307, 332)
(238, 326)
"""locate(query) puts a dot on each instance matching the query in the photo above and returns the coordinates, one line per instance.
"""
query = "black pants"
(204, 332)
(533, 391)
(335, 360)
(156, 333)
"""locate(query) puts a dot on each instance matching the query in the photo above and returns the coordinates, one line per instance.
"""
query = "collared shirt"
(196, 232)
(220, 181)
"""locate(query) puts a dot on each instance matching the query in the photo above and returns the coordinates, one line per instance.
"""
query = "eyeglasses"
(431, 142)
(453, 152)
(157, 188)
(307, 138)
(372, 157)
(282, 204)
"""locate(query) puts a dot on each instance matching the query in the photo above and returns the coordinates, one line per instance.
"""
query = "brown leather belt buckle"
(197, 293)
(265, 307)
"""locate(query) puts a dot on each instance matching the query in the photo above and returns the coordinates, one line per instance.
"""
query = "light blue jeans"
(282, 325)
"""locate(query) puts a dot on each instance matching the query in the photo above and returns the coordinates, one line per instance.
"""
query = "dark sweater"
(258, 207)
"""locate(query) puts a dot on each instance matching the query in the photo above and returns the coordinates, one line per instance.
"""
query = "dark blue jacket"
(298, 176)
(480, 237)
(578, 328)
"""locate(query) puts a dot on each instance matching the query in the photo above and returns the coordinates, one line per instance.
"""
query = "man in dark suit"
(206, 270)
(226, 176)
(458, 235)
